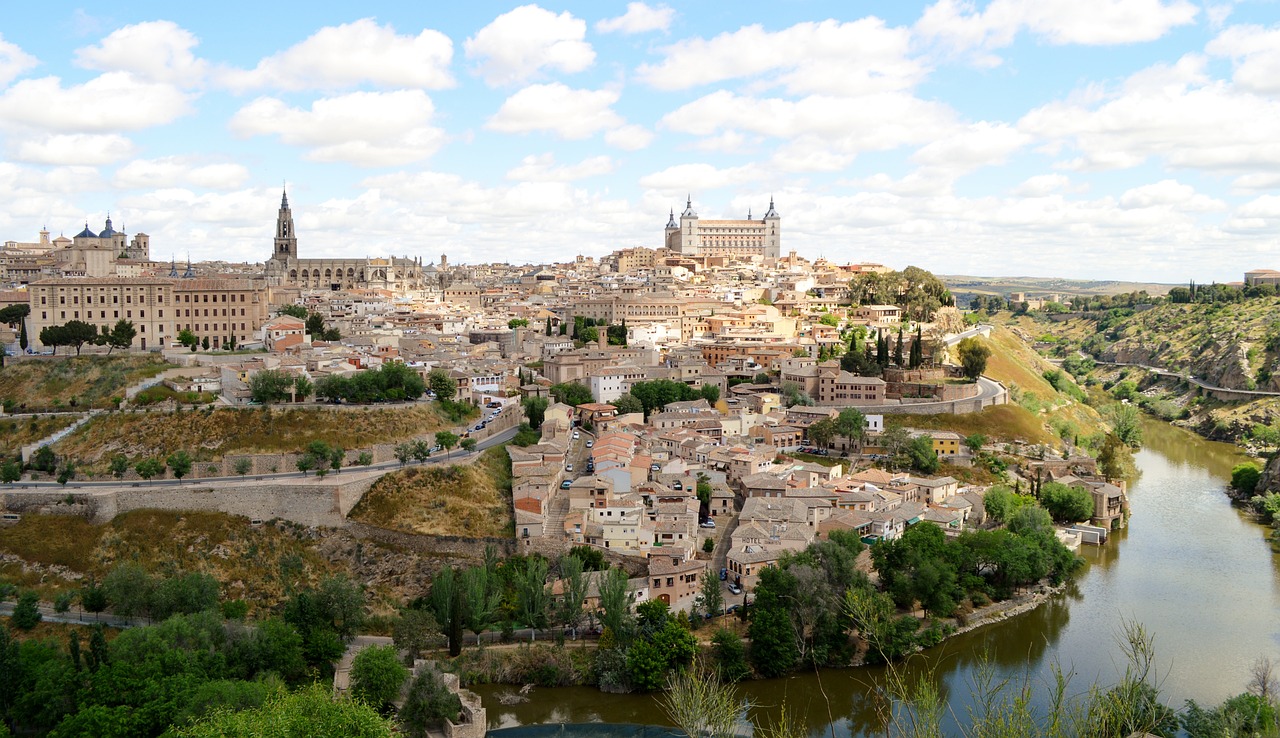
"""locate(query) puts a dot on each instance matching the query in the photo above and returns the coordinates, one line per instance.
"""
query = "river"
(1197, 573)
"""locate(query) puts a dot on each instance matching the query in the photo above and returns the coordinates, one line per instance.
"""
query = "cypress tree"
(897, 350)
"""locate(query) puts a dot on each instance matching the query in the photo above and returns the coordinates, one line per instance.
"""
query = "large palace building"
(733, 238)
(379, 273)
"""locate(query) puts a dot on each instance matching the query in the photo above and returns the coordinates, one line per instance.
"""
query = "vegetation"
(76, 382)
(392, 382)
(973, 357)
(377, 676)
(465, 500)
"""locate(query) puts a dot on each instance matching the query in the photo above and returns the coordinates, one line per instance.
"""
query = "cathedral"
(285, 268)
(741, 239)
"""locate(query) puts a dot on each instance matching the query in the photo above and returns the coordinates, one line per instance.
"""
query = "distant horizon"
(1128, 140)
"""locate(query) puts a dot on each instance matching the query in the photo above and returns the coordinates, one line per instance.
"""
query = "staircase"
(56, 436)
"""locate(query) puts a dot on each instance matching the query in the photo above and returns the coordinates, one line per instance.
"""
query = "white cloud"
(83, 149)
(1255, 52)
(699, 177)
(1255, 182)
(13, 61)
(639, 18)
(173, 171)
(728, 142)
(352, 54)
(1169, 193)
(1267, 206)
(159, 51)
(97, 105)
(859, 57)
(1042, 185)
(555, 108)
(520, 43)
(958, 26)
(1171, 113)
(629, 137)
(361, 128)
(542, 168)
(978, 144)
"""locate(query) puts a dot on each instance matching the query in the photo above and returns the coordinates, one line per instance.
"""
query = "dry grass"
(1001, 422)
(91, 381)
(257, 564)
(471, 500)
(61, 632)
(212, 433)
(15, 433)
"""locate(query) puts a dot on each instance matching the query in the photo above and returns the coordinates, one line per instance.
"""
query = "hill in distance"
(1036, 286)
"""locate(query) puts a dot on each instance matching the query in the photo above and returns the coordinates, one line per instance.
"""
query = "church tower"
(690, 237)
(286, 240)
(773, 233)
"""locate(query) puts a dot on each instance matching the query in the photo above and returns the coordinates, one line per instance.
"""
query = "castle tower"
(286, 243)
(689, 240)
(772, 233)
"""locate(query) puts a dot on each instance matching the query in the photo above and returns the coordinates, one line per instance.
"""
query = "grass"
(212, 433)
(77, 381)
(461, 500)
(15, 433)
(161, 393)
(1000, 422)
(257, 564)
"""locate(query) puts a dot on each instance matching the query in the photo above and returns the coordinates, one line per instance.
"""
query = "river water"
(1191, 568)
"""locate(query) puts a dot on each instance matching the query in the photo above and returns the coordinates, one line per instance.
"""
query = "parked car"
(655, 467)
(724, 574)
(566, 484)
(590, 444)
(707, 524)
(576, 435)
(568, 467)
(735, 589)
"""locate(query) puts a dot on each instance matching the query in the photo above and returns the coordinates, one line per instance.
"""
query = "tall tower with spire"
(286, 243)
(772, 232)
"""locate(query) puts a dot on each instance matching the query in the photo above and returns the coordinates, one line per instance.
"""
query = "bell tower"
(286, 243)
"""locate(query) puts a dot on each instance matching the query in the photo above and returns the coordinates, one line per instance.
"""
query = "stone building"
(729, 238)
(393, 273)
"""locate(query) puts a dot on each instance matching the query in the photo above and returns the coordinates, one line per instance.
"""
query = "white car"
(708, 524)
(568, 467)
(576, 435)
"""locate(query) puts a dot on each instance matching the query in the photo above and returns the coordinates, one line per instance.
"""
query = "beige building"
(728, 238)
(158, 307)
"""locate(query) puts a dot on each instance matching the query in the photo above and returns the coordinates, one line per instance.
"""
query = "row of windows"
(159, 300)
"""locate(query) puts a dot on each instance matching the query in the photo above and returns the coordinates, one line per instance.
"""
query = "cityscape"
(741, 426)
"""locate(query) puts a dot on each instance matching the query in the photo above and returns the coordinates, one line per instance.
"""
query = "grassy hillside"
(257, 564)
(80, 381)
(16, 433)
(211, 433)
(463, 500)
(1001, 422)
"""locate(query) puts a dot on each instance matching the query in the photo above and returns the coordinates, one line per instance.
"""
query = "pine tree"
(897, 350)
(548, 325)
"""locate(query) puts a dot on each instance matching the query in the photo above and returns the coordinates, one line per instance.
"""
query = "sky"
(1131, 139)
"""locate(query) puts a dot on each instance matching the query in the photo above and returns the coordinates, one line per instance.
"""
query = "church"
(284, 268)
(739, 239)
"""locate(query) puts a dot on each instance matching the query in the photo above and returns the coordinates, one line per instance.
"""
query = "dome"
(86, 233)
(109, 232)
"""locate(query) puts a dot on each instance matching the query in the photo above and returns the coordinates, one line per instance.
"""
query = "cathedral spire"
(284, 199)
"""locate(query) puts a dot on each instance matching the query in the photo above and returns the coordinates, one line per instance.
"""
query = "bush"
(377, 675)
(429, 704)
(26, 614)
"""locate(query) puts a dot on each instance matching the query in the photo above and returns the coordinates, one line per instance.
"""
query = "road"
(1187, 378)
(494, 440)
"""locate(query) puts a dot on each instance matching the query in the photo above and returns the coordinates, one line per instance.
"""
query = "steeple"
(286, 242)
(284, 199)
(173, 267)
(772, 213)
(671, 220)
(688, 209)
(190, 271)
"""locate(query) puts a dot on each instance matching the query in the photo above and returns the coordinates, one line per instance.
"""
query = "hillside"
(211, 433)
(77, 381)
(464, 500)
(16, 433)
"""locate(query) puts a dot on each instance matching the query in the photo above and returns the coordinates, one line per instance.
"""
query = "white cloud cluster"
(351, 54)
(520, 43)
(82, 149)
(957, 26)
(373, 129)
(558, 109)
(13, 61)
(1255, 51)
(174, 171)
(159, 51)
(115, 101)
(542, 168)
(639, 18)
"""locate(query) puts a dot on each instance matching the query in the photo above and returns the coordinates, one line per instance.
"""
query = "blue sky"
(1131, 139)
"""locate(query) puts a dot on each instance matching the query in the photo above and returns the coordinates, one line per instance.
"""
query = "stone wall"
(450, 546)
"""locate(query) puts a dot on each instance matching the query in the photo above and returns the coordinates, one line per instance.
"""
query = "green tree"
(517, 323)
(481, 597)
(188, 339)
(627, 404)
(773, 638)
(428, 705)
(44, 460)
(377, 676)
(852, 425)
(128, 587)
(26, 614)
(1115, 460)
(180, 463)
(616, 600)
(295, 311)
(535, 409)
(77, 333)
(975, 443)
(729, 655)
(311, 712)
(66, 472)
(1126, 424)
(443, 385)
(923, 457)
(119, 465)
(821, 432)
(1066, 504)
(710, 393)
(268, 386)
(532, 598)
(92, 597)
(447, 440)
(148, 468)
(119, 337)
(999, 502)
(571, 393)
(710, 596)
(467, 444)
(243, 466)
(415, 631)
(302, 387)
(204, 343)
(184, 593)
(404, 453)
(1244, 478)
(974, 353)
(10, 471)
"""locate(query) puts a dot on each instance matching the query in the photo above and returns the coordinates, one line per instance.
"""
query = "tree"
(702, 705)
(188, 339)
(1244, 478)
(72, 333)
(1066, 504)
(310, 711)
(44, 460)
(710, 393)
(710, 596)
(92, 597)
(571, 393)
(443, 385)
(627, 404)
(119, 337)
(302, 387)
(535, 409)
(897, 349)
(467, 444)
(974, 353)
(445, 599)
(184, 593)
(377, 675)
(404, 453)
(447, 440)
(923, 457)
(66, 472)
(119, 465)
(128, 587)
(204, 343)
(296, 311)
(917, 351)
(429, 704)
(999, 502)
(148, 468)
(531, 592)
(975, 443)
(1126, 424)
(243, 465)
(26, 614)
(1115, 460)
(15, 315)
(10, 471)
(314, 323)
(852, 425)
(616, 600)
(180, 462)
(821, 432)
(415, 631)
(481, 597)
(267, 386)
